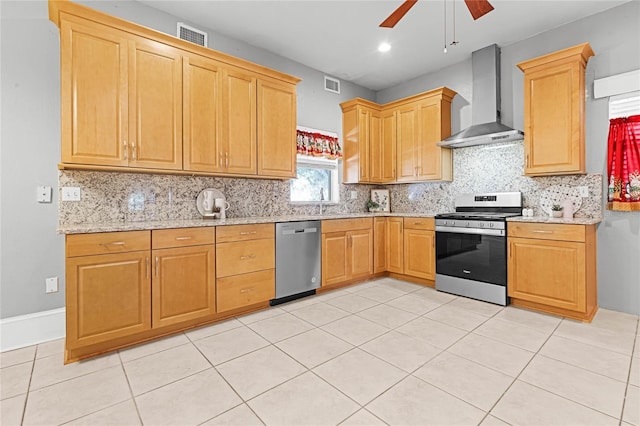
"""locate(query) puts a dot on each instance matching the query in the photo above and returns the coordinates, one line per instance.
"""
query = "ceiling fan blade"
(478, 8)
(397, 14)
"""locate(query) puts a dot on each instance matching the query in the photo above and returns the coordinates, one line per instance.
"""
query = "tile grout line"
(133, 397)
(626, 389)
(26, 398)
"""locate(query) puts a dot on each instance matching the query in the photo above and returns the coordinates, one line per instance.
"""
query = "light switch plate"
(70, 193)
(354, 195)
(44, 194)
(51, 285)
(584, 191)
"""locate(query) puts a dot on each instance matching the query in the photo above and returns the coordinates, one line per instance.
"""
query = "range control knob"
(468, 224)
(491, 225)
(481, 224)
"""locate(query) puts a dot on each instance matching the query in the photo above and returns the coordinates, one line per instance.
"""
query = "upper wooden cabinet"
(554, 104)
(136, 98)
(397, 142)
(360, 125)
(276, 129)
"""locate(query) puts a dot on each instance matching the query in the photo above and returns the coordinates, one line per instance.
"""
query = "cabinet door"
(334, 258)
(553, 111)
(547, 272)
(419, 253)
(108, 296)
(276, 129)
(395, 245)
(239, 122)
(388, 146)
(407, 150)
(360, 253)
(364, 138)
(94, 94)
(202, 100)
(435, 162)
(376, 148)
(379, 244)
(183, 285)
(155, 105)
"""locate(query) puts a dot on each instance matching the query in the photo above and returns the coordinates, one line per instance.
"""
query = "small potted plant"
(372, 206)
(556, 210)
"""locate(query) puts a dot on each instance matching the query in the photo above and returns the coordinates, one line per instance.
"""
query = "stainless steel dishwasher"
(297, 260)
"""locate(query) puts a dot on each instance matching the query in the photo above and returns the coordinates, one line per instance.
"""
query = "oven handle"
(475, 231)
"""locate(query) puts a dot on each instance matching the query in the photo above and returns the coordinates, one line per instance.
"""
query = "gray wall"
(30, 149)
(614, 36)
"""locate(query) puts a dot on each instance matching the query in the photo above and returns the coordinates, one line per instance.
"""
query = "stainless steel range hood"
(485, 104)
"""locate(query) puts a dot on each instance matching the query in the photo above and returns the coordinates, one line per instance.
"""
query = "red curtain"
(624, 164)
(318, 145)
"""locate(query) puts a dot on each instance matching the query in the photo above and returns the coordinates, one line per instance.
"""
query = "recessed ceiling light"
(384, 47)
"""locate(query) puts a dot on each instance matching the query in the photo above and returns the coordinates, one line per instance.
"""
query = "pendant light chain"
(445, 25)
(454, 41)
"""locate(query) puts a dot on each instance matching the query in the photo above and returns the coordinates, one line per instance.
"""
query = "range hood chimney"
(485, 104)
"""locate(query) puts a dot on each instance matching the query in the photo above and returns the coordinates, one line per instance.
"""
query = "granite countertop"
(547, 219)
(88, 228)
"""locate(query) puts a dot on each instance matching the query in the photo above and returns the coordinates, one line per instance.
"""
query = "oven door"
(474, 254)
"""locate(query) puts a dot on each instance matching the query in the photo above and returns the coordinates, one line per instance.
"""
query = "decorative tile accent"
(126, 198)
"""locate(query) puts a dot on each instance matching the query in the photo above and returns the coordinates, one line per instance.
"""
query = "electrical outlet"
(584, 191)
(70, 193)
(354, 195)
(44, 194)
(51, 285)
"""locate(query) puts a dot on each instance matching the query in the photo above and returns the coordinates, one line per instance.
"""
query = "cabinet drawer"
(426, 223)
(244, 290)
(182, 237)
(226, 234)
(344, 225)
(107, 243)
(547, 231)
(244, 256)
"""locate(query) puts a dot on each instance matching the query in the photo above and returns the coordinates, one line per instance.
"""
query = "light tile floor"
(382, 352)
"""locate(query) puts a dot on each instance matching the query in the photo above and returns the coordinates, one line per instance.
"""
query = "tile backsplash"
(127, 197)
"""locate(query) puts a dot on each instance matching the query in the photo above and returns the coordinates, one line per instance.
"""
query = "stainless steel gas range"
(471, 246)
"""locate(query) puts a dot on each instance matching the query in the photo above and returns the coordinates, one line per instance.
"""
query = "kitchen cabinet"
(421, 124)
(360, 125)
(276, 129)
(245, 265)
(554, 111)
(183, 284)
(379, 245)
(419, 248)
(108, 287)
(347, 250)
(552, 268)
(395, 244)
(140, 123)
(397, 142)
(134, 99)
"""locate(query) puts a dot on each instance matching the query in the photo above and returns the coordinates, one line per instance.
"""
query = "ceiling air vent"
(331, 84)
(194, 35)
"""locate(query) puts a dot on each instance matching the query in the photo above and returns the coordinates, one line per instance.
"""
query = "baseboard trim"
(31, 329)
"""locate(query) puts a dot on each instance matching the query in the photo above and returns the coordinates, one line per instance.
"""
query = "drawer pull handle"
(248, 232)
(251, 256)
(542, 232)
(182, 238)
(117, 243)
(246, 290)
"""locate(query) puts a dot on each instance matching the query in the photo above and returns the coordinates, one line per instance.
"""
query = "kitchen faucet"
(321, 198)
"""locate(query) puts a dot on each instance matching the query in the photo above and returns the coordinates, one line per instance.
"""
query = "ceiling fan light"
(384, 47)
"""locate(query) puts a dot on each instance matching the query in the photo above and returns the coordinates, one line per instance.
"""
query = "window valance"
(318, 143)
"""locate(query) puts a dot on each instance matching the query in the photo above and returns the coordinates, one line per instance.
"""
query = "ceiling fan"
(477, 8)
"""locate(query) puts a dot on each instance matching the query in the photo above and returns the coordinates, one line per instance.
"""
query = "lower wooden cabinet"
(245, 265)
(108, 296)
(347, 250)
(552, 268)
(395, 245)
(183, 284)
(419, 248)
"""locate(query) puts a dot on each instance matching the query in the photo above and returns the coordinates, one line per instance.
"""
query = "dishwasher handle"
(299, 231)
